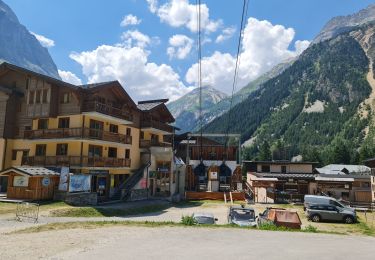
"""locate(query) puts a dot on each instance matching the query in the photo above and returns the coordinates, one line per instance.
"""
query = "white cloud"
(44, 41)
(129, 65)
(69, 77)
(152, 5)
(180, 46)
(130, 20)
(301, 46)
(178, 13)
(226, 34)
(264, 46)
(135, 38)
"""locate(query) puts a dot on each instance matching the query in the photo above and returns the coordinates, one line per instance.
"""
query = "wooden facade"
(35, 190)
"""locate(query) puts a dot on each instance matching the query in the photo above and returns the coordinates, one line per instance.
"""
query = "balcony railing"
(88, 133)
(150, 143)
(157, 125)
(95, 106)
(77, 161)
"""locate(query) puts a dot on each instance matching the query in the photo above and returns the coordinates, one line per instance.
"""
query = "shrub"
(310, 228)
(188, 220)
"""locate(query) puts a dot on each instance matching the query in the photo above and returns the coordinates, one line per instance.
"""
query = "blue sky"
(81, 27)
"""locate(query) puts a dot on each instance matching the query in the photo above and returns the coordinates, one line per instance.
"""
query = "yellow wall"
(74, 146)
(2, 152)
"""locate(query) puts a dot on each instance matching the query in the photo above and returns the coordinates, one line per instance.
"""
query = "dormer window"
(65, 99)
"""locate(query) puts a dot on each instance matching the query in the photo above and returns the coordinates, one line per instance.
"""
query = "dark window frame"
(40, 150)
(62, 149)
(64, 122)
(113, 128)
(42, 126)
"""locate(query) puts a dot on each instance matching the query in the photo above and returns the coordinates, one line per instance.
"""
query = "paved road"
(183, 243)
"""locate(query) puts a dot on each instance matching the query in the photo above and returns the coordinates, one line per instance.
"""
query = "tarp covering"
(224, 170)
(200, 169)
(285, 218)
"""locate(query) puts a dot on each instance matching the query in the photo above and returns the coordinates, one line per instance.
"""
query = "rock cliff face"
(341, 24)
(186, 108)
(19, 47)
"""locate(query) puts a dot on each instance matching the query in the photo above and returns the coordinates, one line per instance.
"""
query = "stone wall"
(138, 194)
(77, 199)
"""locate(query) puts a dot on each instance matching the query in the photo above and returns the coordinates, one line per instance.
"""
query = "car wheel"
(315, 218)
(348, 220)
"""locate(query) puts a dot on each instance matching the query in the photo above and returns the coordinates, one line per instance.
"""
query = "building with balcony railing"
(93, 129)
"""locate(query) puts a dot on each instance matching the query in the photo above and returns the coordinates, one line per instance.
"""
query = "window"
(335, 203)
(65, 98)
(113, 128)
(101, 100)
(266, 168)
(27, 128)
(127, 154)
(31, 97)
(142, 135)
(40, 150)
(112, 152)
(43, 123)
(45, 96)
(283, 169)
(25, 154)
(128, 131)
(331, 208)
(95, 151)
(38, 94)
(365, 185)
(16, 131)
(64, 122)
(14, 155)
(62, 149)
(27, 83)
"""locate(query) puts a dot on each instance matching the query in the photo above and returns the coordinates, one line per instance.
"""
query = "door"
(3, 183)
(331, 213)
(96, 129)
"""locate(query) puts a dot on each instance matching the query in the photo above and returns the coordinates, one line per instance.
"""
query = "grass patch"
(150, 224)
(7, 207)
(88, 212)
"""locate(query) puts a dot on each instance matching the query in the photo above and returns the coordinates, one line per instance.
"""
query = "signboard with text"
(80, 183)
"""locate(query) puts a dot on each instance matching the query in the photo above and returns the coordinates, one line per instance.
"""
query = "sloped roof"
(31, 171)
(286, 175)
(339, 169)
(94, 85)
(45, 77)
(147, 105)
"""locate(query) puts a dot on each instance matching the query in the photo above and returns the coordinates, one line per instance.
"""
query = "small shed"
(31, 183)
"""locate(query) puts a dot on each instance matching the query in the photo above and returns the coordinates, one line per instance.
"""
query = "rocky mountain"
(186, 108)
(321, 107)
(19, 47)
(341, 24)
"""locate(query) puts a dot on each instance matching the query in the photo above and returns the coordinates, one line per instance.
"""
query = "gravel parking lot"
(182, 243)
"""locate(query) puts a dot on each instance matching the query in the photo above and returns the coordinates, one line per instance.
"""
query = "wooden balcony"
(153, 143)
(82, 133)
(95, 106)
(75, 161)
(156, 125)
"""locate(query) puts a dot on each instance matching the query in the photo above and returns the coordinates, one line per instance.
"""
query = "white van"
(314, 199)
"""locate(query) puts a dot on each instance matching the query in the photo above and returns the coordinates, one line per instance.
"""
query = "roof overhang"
(319, 178)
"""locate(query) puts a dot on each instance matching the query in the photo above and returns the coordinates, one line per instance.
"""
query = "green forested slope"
(311, 107)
